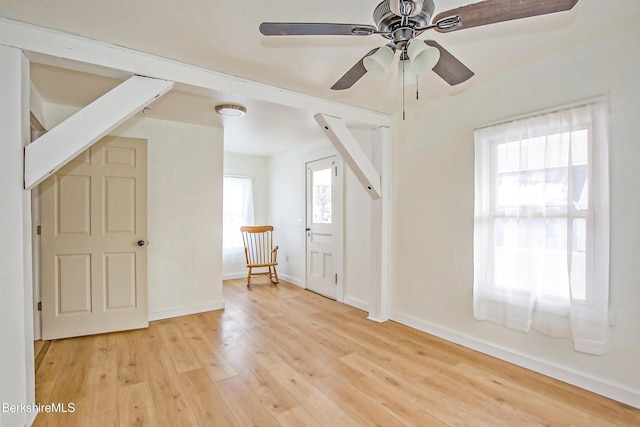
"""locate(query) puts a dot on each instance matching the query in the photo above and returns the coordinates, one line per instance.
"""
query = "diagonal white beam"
(53, 150)
(352, 153)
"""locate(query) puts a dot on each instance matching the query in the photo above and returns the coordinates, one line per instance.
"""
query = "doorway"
(93, 242)
(324, 227)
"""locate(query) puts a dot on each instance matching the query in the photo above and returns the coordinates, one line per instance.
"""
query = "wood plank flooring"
(282, 356)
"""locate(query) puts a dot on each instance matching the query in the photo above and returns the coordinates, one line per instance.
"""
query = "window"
(541, 237)
(540, 186)
(237, 210)
(322, 196)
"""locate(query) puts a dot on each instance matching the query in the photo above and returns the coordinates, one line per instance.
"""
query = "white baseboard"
(32, 418)
(578, 379)
(360, 305)
(232, 276)
(185, 311)
(291, 280)
(284, 277)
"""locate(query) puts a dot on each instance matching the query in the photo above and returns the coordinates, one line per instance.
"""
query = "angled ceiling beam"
(352, 153)
(62, 45)
(47, 154)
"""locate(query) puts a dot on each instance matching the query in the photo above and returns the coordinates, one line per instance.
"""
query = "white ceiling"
(223, 36)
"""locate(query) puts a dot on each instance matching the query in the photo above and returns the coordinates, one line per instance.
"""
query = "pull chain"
(403, 110)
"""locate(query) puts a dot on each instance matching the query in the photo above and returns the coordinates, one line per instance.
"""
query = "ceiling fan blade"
(449, 67)
(493, 11)
(354, 74)
(315, 29)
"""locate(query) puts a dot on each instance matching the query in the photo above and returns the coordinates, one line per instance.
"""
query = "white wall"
(256, 168)
(287, 208)
(184, 212)
(433, 210)
(17, 378)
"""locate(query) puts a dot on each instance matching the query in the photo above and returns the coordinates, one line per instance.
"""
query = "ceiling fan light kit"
(378, 63)
(402, 21)
(423, 57)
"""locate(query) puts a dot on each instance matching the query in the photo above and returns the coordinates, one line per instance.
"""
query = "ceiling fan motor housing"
(387, 21)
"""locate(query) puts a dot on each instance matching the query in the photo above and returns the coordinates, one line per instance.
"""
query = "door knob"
(141, 243)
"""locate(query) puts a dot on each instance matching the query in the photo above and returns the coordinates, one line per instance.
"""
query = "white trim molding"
(598, 386)
(379, 302)
(292, 280)
(234, 276)
(185, 311)
(40, 40)
(356, 303)
(283, 277)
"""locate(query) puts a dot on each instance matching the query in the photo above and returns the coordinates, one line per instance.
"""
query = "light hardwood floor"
(285, 356)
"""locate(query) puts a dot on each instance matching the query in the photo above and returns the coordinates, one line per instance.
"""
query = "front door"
(324, 220)
(94, 226)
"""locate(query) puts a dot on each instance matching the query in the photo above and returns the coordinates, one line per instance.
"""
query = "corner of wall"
(186, 311)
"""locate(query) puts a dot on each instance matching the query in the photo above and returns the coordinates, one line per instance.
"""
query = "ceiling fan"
(402, 21)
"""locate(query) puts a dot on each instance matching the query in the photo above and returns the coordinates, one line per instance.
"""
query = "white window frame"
(586, 320)
(549, 301)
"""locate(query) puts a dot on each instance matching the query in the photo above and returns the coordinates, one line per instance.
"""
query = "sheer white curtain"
(237, 207)
(541, 236)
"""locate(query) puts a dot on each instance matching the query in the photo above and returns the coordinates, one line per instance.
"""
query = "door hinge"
(336, 278)
(336, 170)
(39, 230)
(39, 305)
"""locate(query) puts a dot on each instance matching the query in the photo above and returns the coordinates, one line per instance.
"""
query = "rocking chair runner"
(259, 251)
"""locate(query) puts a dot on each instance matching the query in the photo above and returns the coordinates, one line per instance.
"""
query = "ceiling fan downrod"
(406, 8)
(390, 15)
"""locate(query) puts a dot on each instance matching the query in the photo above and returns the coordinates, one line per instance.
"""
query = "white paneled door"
(94, 226)
(324, 226)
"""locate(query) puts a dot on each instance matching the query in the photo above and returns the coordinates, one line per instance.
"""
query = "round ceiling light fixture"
(231, 110)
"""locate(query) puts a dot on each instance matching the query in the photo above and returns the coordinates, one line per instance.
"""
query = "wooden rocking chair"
(259, 251)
